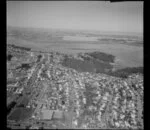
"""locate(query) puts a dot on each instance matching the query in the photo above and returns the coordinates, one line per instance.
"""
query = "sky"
(87, 15)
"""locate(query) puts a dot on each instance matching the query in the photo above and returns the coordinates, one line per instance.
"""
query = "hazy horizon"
(77, 15)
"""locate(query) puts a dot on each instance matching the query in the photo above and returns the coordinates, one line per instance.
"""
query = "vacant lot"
(20, 114)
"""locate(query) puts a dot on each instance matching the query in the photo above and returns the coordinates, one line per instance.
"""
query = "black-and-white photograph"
(74, 64)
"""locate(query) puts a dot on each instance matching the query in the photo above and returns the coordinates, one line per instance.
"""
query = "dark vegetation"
(24, 66)
(39, 58)
(43, 73)
(96, 62)
(89, 65)
(124, 73)
(9, 56)
(102, 56)
(20, 114)
(10, 107)
(85, 58)
(99, 63)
